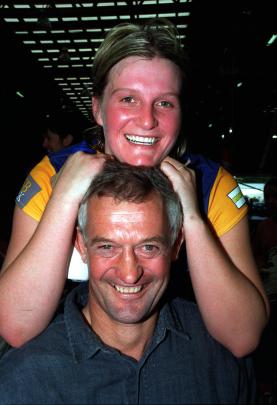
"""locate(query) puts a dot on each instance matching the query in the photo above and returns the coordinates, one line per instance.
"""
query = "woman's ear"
(96, 110)
(81, 246)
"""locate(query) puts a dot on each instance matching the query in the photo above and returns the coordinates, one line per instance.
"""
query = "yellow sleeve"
(227, 206)
(36, 190)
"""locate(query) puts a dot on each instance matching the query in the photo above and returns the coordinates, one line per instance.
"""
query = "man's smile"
(128, 290)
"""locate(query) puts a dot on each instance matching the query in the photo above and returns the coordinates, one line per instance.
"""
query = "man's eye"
(149, 250)
(105, 247)
(105, 250)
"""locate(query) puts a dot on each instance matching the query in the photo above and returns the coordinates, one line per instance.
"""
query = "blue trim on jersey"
(206, 171)
(57, 159)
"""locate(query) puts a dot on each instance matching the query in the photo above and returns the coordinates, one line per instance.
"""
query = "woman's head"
(138, 87)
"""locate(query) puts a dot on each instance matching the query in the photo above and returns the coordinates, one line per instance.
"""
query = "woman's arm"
(227, 286)
(34, 272)
(33, 275)
(224, 276)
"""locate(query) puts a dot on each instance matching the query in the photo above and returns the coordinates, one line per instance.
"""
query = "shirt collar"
(84, 343)
(169, 320)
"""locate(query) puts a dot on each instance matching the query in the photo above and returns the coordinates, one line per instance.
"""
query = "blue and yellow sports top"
(220, 198)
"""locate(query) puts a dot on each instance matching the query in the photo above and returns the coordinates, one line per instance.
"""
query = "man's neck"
(129, 339)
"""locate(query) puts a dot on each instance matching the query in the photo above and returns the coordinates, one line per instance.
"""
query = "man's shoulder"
(51, 340)
(187, 313)
(184, 317)
(24, 370)
(191, 323)
(188, 320)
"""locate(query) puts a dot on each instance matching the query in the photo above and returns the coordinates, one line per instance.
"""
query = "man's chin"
(129, 317)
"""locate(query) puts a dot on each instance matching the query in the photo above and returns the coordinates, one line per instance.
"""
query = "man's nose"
(147, 117)
(129, 268)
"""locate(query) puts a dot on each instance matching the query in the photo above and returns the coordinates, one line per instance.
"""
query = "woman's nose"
(147, 117)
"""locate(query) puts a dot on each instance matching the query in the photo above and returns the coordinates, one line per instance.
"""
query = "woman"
(138, 92)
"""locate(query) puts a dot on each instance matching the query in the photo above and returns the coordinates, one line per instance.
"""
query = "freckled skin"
(138, 102)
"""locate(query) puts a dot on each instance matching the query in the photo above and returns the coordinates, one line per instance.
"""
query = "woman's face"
(140, 110)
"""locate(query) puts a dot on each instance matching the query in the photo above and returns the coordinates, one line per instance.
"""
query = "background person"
(138, 98)
(60, 130)
(130, 225)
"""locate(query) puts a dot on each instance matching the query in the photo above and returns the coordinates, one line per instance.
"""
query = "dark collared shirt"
(69, 364)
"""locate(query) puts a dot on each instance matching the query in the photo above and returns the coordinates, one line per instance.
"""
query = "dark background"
(226, 41)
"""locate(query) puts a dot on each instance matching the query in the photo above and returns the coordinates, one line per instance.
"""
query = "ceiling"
(64, 36)
(232, 46)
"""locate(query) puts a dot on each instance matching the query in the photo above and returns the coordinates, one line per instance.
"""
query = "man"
(120, 339)
(58, 132)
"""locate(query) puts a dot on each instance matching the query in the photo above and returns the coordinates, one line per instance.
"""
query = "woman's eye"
(165, 103)
(128, 99)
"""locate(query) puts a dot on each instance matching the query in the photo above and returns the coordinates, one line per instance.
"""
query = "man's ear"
(80, 245)
(177, 245)
(96, 110)
(68, 140)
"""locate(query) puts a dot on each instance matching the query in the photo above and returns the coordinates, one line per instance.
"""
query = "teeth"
(128, 290)
(141, 140)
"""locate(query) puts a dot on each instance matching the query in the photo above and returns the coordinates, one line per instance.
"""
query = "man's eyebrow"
(158, 239)
(164, 240)
(99, 239)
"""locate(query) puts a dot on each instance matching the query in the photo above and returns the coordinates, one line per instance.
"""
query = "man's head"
(59, 131)
(129, 221)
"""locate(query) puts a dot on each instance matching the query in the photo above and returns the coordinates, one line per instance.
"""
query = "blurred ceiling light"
(19, 94)
(271, 40)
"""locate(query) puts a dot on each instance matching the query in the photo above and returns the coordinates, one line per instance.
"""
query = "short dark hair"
(124, 182)
(63, 123)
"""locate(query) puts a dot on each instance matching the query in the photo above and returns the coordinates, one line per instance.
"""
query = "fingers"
(76, 175)
(184, 183)
(174, 169)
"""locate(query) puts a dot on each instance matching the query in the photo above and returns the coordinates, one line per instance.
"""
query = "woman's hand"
(184, 184)
(74, 178)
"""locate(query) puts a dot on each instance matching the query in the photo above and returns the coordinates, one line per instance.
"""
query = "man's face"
(129, 256)
(140, 110)
(52, 141)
